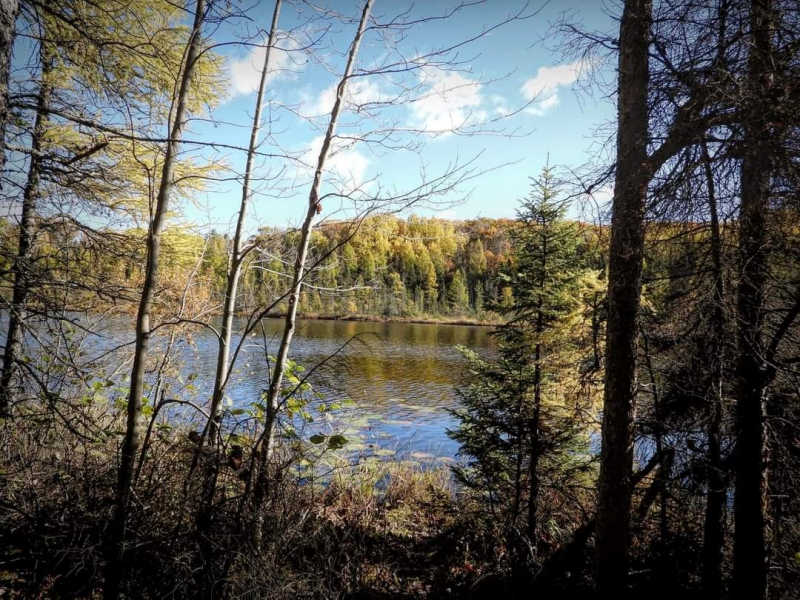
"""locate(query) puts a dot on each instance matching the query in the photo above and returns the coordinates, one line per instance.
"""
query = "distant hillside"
(385, 267)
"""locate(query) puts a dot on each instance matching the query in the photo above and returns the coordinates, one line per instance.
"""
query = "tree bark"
(624, 289)
(533, 427)
(236, 257)
(22, 261)
(535, 421)
(130, 444)
(273, 394)
(8, 17)
(235, 260)
(750, 556)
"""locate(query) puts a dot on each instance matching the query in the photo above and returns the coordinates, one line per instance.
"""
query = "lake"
(401, 378)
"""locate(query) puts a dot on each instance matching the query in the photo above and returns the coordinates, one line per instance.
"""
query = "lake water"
(401, 378)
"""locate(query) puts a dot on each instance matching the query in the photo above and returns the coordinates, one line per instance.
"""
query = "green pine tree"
(458, 294)
(520, 427)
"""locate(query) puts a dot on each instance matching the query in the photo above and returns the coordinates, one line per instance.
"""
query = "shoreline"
(466, 321)
(366, 318)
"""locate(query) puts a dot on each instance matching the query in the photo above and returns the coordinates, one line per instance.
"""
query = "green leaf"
(336, 441)
(317, 438)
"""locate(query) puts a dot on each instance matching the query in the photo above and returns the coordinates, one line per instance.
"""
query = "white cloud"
(246, 73)
(450, 101)
(344, 164)
(543, 88)
(500, 105)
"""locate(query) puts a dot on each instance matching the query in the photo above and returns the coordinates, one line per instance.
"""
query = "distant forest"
(383, 266)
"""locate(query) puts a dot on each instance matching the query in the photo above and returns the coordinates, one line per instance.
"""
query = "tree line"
(390, 266)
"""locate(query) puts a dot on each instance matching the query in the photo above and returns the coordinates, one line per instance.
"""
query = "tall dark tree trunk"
(520, 453)
(535, 421)
(22, 266)
(750, 569)
(8, 17)
(624, 290)
(714, 527)
(116, 535)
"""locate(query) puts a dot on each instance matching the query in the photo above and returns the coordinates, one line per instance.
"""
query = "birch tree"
(22, 267)
(313, 208)
(237, 252)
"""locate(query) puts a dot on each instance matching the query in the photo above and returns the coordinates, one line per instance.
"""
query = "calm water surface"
(400, 376)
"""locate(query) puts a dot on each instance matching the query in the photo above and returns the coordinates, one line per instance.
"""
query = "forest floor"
(374, 530)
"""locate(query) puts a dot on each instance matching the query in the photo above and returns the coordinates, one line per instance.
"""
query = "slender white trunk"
(237, 255)
(273, 394)
(130, 444)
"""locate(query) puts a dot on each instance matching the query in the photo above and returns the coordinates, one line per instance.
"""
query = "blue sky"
(397, 127)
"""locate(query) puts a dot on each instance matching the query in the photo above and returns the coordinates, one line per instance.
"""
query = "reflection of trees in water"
(392, 370)
(377, 378)
(415, 334)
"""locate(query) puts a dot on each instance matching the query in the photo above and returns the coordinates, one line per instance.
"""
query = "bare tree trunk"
(130, 444)
(749, 571)
(273, 394)
(237, 256)
(535, 421)
(22, 262)
(520, 456)
(8, 17)
(714, 527)
(624, 290)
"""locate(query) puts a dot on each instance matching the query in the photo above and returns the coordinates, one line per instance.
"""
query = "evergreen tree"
(457, 294)
(521, 425)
